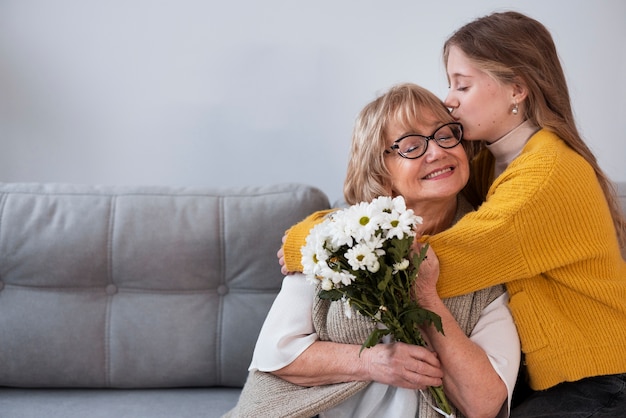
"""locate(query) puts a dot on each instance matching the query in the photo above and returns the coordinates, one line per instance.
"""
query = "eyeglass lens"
(414, 146)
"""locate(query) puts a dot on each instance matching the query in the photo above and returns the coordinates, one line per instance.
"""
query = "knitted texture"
(266, 395)
(545, 229)
(296, 238)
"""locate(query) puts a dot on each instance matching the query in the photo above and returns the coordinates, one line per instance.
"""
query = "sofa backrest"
(138, 287)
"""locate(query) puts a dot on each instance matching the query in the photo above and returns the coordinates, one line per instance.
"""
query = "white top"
(288, 331)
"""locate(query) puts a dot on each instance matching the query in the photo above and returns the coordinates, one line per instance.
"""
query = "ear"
(519, 90)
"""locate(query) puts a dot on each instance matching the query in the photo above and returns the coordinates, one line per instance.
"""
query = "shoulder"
(548, 149)
(548, 165)
(549, 178)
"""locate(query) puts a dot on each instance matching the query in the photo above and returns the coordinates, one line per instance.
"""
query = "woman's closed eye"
(445, 139)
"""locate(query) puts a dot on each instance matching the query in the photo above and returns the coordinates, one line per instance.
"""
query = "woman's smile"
(440, 173)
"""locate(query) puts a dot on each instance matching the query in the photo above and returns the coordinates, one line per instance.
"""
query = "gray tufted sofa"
(135, 301)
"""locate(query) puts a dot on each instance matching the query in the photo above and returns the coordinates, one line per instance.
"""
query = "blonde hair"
(407, 104)
(515, 48)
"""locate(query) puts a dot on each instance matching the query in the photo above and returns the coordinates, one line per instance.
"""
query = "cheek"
(498, 101)
(402, 173)
(484, 111)
(465, 173)
(462, 162)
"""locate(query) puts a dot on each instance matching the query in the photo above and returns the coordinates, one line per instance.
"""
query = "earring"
(515, 109)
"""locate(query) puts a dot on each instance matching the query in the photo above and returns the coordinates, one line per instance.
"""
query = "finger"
(421, 377)
(426, 362)
(422, 382)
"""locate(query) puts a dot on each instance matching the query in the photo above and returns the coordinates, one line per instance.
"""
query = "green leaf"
(421, 256)
(382, 285)
(374, 338)
(332, 294)
(424, 316)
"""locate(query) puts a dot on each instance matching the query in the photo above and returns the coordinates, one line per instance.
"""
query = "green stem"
(440, 398)
(410, 336)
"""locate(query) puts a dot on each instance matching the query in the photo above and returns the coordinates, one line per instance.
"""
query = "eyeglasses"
(415, 145)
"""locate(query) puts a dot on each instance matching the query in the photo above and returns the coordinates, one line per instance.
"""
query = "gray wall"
(195, 92)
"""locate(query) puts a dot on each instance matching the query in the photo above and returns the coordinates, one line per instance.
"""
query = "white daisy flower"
(402, 265)
(362, 257)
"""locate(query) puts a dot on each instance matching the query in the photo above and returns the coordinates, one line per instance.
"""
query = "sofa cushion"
(138, 287)
(112, 403)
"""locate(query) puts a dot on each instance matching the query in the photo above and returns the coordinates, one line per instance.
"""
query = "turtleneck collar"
(507, 148)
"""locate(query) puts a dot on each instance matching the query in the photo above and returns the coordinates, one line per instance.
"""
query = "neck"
(508, 132)
(437, 216)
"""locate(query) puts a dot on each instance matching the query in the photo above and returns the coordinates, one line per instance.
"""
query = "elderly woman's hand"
(396, 364)
(426, 281)
(403, 365)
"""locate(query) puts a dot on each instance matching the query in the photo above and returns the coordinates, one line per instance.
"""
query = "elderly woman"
(307, 360)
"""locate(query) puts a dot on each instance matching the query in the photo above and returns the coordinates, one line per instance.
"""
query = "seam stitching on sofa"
(109, 301)
(220, 298)
(2, 207)
(126, 290)
(284, 188)
(3, 201)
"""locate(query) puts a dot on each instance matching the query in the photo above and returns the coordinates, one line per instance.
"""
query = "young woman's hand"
(281, 259)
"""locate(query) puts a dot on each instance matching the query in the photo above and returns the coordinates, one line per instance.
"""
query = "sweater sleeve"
(295, 238)
(545, 211)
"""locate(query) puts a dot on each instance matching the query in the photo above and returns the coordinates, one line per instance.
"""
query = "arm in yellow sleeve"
(544, 214)
(295, 238)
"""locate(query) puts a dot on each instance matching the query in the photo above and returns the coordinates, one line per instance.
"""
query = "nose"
(450, 102)
(434, 152)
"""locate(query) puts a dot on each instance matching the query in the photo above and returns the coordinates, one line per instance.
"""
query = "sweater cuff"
(296, 238)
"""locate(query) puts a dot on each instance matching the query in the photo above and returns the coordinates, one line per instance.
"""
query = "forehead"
(424, 122)
(460, 65)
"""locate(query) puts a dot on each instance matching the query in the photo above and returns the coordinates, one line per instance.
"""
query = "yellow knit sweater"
(545, 231)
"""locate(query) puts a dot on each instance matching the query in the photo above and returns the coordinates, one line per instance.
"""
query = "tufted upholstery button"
(222, 289)
(111, 289)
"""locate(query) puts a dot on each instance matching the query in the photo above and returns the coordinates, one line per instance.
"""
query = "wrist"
(364, 371)
(427, 298)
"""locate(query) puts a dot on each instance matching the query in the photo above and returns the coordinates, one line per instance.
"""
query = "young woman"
(549, 225)
(404, 143)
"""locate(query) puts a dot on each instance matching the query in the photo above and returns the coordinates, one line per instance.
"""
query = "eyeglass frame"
(396, 147)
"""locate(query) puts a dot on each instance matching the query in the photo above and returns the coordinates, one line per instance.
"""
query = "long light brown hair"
(406, 104)
(512, 47)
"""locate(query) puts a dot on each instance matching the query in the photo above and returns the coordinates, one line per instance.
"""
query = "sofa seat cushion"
(111, 403)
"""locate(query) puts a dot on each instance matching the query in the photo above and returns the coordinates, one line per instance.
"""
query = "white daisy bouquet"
(362, 255)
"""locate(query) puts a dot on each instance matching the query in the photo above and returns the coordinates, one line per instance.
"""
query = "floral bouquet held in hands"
(362, 255)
